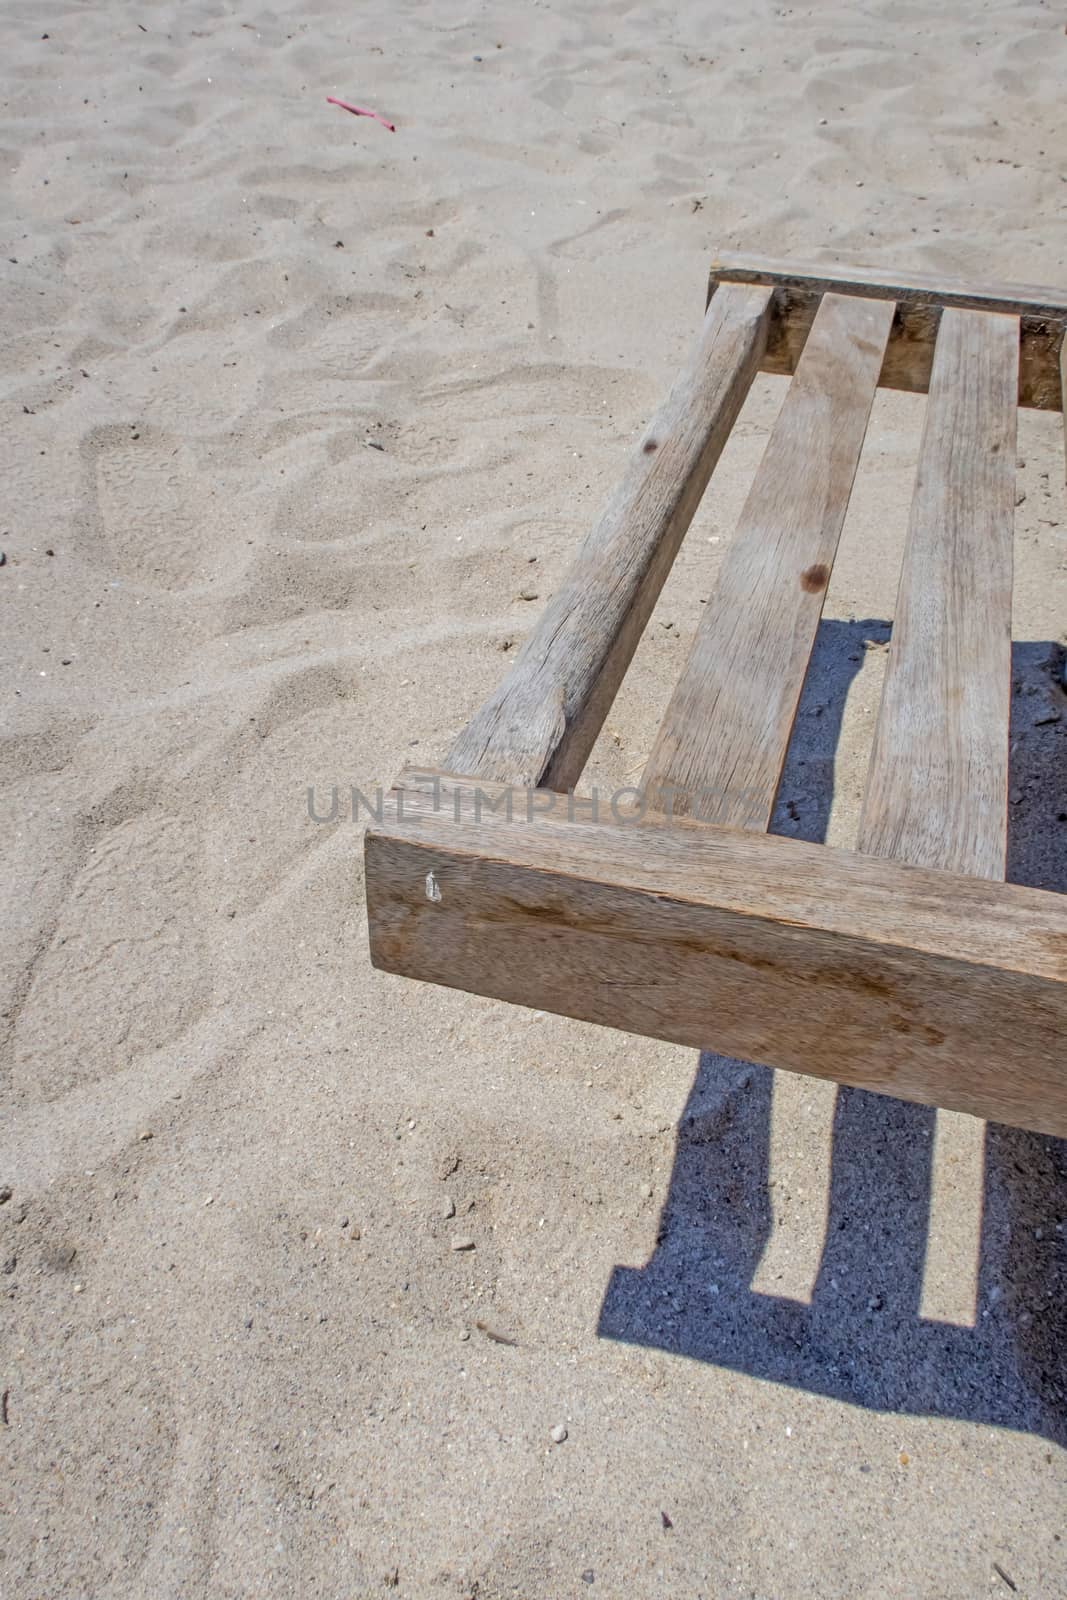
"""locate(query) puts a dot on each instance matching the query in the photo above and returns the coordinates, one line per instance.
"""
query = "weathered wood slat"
(541, 723)
(911, 982)
(723, 740)
(937, 787)
(919, 300)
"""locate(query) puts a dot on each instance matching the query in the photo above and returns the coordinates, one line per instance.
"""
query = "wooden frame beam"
(938, 988)
(920, 299)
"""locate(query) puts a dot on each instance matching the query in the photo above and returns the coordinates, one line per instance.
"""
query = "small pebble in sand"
(5, 1194)
(463, 1242)
(588, 1576)
(344, 1222)
(558, 1434)
(527, 593)
(464, 1334)
(78, 1287)
(448, 1208)
(145, 1133)
(646, 1191)
(357, 1232)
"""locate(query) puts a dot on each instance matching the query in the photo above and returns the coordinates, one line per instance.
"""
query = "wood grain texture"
(946, 990)
(937, 787)
(723, 740)
(541, 723)
(919, 300)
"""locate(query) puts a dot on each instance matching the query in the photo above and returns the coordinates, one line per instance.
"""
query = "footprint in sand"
(155, 509)
(125, 969)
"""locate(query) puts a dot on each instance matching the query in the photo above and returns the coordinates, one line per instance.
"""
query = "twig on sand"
(497, 1338)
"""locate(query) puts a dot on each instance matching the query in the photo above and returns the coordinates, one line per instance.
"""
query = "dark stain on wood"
(510, 912)
(931, 1036)
(812, 579)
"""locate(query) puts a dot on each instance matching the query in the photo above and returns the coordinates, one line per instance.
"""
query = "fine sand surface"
(239, 1353)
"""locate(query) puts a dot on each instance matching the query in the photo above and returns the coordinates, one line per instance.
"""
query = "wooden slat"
(541, 723)
(937, 788)
(766, 948)
(722, 743)
(919, 299)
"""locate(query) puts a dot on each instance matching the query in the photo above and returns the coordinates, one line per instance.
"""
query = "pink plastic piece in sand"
(358, 111)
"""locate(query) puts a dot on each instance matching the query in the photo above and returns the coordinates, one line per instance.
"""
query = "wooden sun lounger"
(907, 966)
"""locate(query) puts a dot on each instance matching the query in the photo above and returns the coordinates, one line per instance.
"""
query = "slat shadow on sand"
(862, 1337)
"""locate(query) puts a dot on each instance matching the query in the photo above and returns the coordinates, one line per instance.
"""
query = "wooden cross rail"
(918, 301)
(907, 966)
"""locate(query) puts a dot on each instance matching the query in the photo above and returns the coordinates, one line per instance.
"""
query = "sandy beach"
(303, 422)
